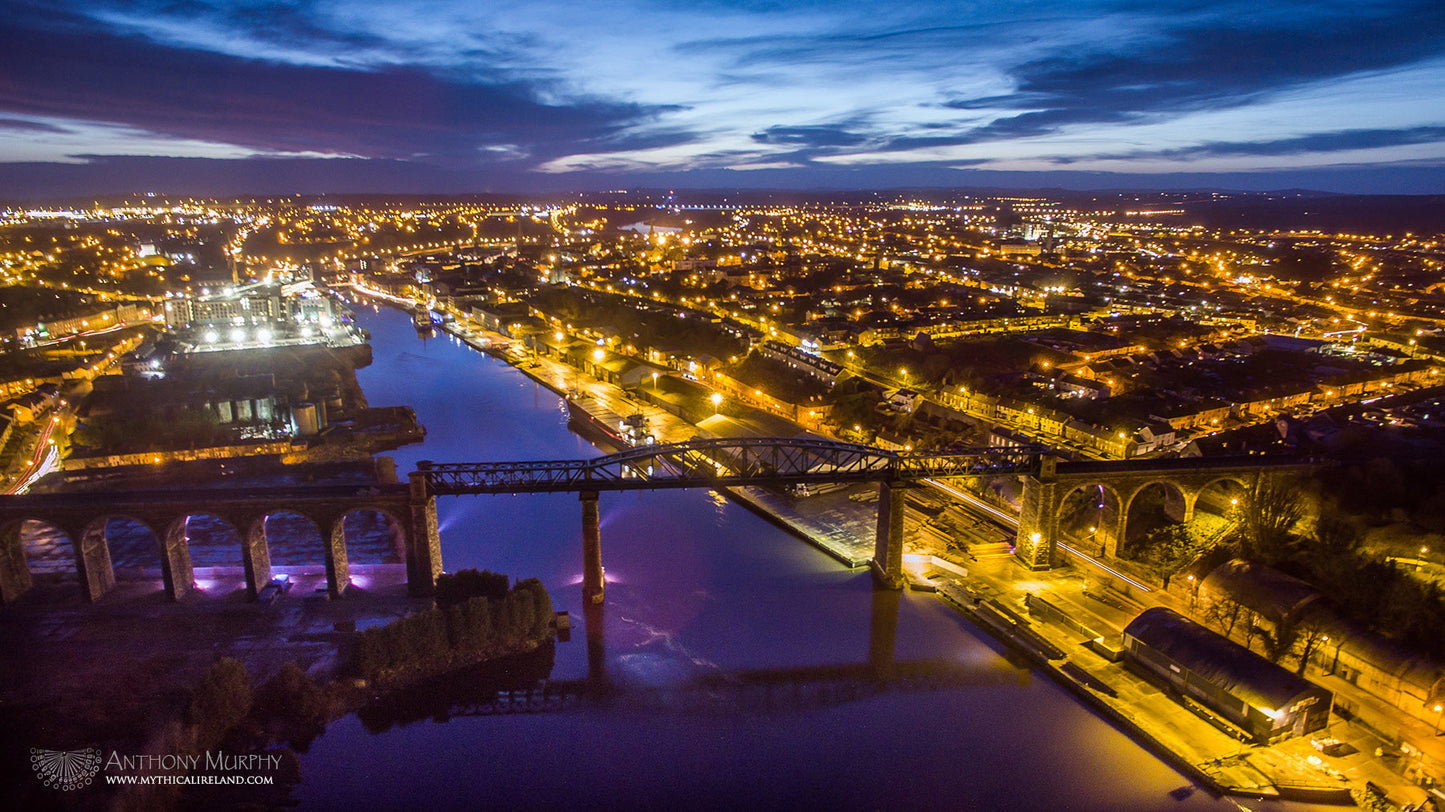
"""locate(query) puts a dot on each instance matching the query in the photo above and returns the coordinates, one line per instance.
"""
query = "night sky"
(216, 97)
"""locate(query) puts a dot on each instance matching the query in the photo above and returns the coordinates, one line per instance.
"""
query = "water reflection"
(523, 684)
(732, 665)
(596, 626)
(883, 632)
(482, 689)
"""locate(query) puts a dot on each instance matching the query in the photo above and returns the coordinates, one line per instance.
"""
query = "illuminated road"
(45, 459)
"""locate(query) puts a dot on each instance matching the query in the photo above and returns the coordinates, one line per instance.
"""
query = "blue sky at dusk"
(216, 97)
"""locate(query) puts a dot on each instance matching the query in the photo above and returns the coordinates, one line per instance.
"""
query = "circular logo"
(65, 769)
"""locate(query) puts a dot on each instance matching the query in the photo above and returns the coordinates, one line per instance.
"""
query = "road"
(44, 459)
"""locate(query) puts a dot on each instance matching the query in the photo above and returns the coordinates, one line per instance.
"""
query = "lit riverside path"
(698, 585)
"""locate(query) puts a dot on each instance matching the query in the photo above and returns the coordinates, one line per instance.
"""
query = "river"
(700, 587)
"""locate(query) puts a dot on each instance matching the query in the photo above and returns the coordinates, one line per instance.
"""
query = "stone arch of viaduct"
(83, 519)
(1184, 479)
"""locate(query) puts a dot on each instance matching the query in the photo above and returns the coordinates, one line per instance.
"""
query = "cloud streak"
(568, 88)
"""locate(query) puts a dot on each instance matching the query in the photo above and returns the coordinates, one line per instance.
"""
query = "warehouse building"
(1261, 698)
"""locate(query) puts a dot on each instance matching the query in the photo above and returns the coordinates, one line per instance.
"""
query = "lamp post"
(1439, 711)
(1335, 663)
(716, 399)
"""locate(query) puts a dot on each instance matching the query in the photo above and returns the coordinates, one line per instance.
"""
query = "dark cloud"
(809, 137)
(1304, 144)
(649, 139)
(1315, 142)
(394, 113)
(1213, 64)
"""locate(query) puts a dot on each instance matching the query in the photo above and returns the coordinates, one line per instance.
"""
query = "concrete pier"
(92, 560)
(593, 581)
(256, 557)
(424, 553)
(338, 567)
(888, 543)
(15, 579)
(176, 569)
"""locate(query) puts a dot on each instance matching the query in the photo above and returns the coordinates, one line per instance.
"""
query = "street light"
(716, 399)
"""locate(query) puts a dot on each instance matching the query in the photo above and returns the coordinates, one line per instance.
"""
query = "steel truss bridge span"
(722, 462)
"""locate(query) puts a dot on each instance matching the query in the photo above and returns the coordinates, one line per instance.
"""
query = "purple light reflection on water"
(700, 587)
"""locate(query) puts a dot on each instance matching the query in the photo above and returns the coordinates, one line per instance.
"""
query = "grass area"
(17, 449)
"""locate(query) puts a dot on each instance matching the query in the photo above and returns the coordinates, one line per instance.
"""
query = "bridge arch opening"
(48, 548)
(214, 541)
(369, 536)
(134, 546)
(116, 546)
(34, 552)
(1089, 518)
(1156, 520)
(1218, 507)
(214, 546)
(291, 538)
(374, 537)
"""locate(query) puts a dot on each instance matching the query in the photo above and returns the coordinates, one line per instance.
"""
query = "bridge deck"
(209, 496)
(723, 462)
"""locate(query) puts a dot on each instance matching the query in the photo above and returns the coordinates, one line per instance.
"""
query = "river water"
(700, 588)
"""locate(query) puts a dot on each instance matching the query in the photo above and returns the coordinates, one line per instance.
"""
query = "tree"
(469, 583)
(1336, 535)
(1311, 635)
(222, 699)
(1250, 619)
(293, 699)
(1270, 515)
(1224, 613)
(1171, 547)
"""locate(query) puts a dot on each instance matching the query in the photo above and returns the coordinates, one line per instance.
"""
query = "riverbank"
(842, 525)
(978, 546)
(837, 533)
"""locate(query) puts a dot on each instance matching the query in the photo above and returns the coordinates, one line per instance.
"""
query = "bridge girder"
(723, 462)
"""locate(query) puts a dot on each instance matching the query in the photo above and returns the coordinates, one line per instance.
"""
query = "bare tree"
(1279, 641)
(1224, 613)
(1311, 636)
(1294, 635)
(1252, 629)
(1335, 534)
(1270, 515)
